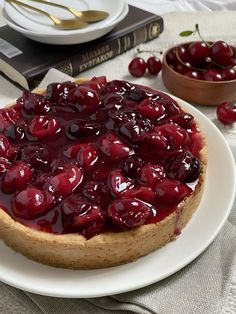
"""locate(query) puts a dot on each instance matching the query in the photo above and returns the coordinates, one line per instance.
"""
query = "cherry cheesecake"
(96, 174)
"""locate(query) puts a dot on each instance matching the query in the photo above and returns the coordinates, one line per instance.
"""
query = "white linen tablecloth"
(189, 291)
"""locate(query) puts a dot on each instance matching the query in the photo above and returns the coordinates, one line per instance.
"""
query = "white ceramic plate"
(64, 38)
(35, 21)
(212, 213)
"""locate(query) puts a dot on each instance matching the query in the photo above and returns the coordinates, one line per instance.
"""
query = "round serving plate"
(209, 218)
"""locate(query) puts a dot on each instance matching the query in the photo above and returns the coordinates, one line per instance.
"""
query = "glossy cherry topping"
(96, 157)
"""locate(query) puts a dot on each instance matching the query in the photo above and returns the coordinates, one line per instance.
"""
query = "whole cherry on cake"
(96, 159)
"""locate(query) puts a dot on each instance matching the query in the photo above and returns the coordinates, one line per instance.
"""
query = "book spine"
(110, 49)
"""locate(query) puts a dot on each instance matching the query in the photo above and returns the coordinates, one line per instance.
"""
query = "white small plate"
(203, 227)
(35, 21)
(65, 38)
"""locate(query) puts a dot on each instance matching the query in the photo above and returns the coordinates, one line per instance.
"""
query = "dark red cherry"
(66, 182)
(132, 164)
(233, 61)
(42, 126)
(93, 229)
(175, 135)
(149, 174)
(17, 176)
(142, 193)
(196, 143)
(31, 203)
(56, 91)
(119, 183)
(118, 118)
(128, 212)
(78, 214)
(183, 53)
(87, 155)
(171, 191)
(182, 68)
(151, 109)
(182, 166)
(98, 192)
(171, 58)
(212, 75)
(222, 53)
(171, 107)
(114, 101)
(185, 120)
(35, 154)
(4, 165)
(197, 75)
(82, 128)
(198, 51)
(35, 103)
(114, 147)
(157, 141)
(132, 132)
(154, 65)
(85, 213)
(137, 67)
(9, 116)
(4, 146)
(115, 87)
(96, 83)
(228, 74)
(226, 112)
(15, 132)
(85, 100)
(7, 150)
(3, 122)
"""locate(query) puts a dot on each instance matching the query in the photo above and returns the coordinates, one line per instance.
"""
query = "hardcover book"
(25, 62)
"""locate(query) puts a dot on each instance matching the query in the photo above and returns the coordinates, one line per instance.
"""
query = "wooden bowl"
(195, 91)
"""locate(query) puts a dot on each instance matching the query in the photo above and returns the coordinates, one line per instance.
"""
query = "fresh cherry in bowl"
(201, 72)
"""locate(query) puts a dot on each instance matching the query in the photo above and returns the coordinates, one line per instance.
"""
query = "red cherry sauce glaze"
(96, 157)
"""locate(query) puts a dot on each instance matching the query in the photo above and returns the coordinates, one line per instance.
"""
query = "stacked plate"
(39, 27)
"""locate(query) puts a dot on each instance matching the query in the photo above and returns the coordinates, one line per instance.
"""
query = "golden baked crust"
(104, 250)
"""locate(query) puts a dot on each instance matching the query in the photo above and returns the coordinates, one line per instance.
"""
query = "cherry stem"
(194, 68)
(152, 52)
(199, 34)
(190, 67)
(217, 64)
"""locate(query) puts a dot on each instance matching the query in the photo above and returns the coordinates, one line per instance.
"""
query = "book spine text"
(109, 50)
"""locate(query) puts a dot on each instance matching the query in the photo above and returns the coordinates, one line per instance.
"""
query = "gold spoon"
(89, 16)
(62, 24)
